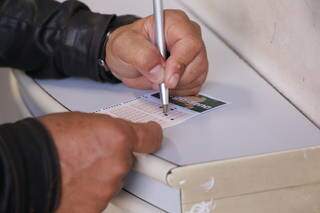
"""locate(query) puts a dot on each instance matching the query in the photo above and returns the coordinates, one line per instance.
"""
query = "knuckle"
(122, 138)
(180, 14)
(196, 25)
(196, 43)
(122, 142)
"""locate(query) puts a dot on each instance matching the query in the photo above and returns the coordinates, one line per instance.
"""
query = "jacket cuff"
(33, 180)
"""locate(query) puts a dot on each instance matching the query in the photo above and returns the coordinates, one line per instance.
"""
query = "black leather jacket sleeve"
(29, 168)
(49, 39)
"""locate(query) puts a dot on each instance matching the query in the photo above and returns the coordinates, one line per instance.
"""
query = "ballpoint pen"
(161, 44)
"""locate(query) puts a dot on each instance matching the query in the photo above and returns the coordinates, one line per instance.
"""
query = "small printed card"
(148, 108)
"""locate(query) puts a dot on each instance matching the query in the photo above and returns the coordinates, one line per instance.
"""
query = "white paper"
(148, 108)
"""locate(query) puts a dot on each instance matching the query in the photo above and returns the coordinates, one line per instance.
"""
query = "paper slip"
(148, 108)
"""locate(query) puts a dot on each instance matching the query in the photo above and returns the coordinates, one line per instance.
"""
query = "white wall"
(280, 38)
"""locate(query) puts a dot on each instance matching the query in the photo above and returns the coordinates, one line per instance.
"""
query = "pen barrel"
(159, 27)
(161, 44)
(164, 94)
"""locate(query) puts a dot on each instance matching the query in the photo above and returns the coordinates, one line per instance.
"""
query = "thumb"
(149, 137)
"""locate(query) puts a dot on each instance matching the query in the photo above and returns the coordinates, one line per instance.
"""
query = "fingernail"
(173, 80)
(157, 74)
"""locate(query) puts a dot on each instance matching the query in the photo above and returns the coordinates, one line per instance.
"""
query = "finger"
(196, 83)
(149, 137)
(183, 52)
(139, 83)
(197, 27)
(138, 53)
(186, 92)
(198, 67)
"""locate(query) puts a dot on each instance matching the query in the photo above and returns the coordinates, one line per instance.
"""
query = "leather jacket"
(47, 39)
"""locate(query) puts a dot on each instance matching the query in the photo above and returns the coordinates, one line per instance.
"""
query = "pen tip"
(165, 109)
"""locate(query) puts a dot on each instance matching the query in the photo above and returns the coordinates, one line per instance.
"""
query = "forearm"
(49, 39)
(29, 168)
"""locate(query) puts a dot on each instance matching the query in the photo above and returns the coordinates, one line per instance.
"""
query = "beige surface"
(302, 199)
(247, 176)
(280, 38)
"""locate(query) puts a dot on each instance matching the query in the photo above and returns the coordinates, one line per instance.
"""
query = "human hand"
(96, 153)
(135, 60)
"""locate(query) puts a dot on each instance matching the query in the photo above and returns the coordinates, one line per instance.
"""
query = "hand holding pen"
(133, 57)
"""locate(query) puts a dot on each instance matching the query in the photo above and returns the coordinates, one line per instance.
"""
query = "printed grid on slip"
(148, 108)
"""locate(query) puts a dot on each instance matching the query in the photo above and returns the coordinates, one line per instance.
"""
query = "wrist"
(116, 23)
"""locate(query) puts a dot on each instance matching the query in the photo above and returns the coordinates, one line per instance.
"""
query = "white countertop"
(258, 120)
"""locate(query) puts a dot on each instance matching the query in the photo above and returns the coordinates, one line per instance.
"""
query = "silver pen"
(161, 44)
